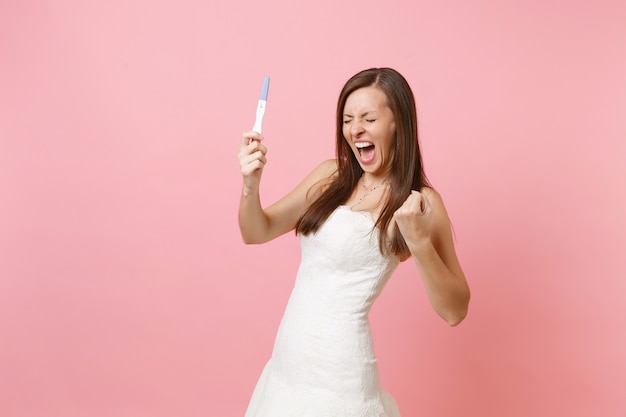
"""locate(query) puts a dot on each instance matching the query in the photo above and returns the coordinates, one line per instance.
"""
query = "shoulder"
(433, 197)
(286, 211)
(439, 215)
(327, 168)
(429, 192)
(323, 171)
(441, 226)
(318, 180)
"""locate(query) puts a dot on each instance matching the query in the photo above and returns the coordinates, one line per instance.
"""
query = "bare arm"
(425, 226)
(259, 225)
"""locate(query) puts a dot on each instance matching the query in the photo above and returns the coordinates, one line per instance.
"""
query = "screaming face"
(369, 128)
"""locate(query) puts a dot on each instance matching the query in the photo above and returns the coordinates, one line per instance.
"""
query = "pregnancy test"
(260, 108)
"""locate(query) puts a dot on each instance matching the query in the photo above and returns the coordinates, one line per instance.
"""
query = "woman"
(357, 217)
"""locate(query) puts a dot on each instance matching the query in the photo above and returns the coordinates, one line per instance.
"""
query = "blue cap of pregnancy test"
(266, 86)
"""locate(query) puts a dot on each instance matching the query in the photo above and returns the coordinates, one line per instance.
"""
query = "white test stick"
(260, 108)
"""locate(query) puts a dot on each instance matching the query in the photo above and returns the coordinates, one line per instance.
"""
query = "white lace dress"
(323, 362)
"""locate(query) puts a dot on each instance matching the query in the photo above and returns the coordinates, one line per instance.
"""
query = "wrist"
(420, 246)
(248, 192)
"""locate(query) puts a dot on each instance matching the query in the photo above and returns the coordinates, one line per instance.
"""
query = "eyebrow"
(362, 114)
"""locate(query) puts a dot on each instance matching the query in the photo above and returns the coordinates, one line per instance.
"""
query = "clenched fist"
(414, 218)
(252, 160)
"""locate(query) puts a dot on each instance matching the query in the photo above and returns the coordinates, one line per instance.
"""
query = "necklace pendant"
(368, 191)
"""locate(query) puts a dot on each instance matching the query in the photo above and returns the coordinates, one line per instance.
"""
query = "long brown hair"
(405, 165)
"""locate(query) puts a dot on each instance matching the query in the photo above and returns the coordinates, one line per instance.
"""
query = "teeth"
(363, 144)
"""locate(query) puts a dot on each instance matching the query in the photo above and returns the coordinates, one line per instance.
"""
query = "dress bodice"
(342, 262)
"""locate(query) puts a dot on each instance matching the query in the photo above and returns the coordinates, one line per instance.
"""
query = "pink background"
(125, 289)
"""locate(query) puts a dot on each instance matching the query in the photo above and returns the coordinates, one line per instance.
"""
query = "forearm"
(253, 223)
(447, 291)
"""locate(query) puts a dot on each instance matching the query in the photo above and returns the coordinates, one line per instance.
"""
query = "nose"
(356, 128)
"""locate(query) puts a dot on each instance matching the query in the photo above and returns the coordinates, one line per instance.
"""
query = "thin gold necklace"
(368, 191)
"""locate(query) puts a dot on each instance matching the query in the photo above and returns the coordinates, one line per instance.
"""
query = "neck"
(370, 180)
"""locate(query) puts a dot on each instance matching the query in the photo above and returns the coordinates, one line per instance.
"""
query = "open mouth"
(367, 150)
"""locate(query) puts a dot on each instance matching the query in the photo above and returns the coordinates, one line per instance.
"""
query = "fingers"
(421, 202)
(250, 136)
(252, 162)
(251, 142)
(414, 218)
(251, 153)
(416, 203)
